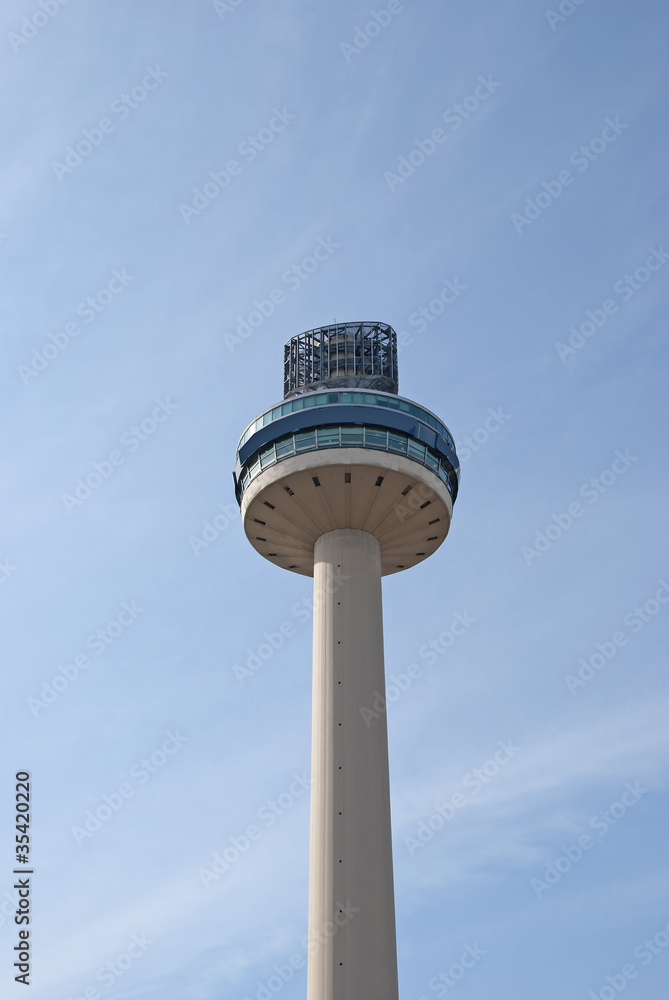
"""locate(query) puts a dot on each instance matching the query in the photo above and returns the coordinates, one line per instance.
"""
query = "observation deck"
(344, 450)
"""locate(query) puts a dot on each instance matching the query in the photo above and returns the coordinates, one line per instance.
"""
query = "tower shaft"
(352, 946)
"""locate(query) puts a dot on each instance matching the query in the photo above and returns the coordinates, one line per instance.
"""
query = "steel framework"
(342, 354)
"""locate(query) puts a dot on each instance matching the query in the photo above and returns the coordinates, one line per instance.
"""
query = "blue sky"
(334, 128)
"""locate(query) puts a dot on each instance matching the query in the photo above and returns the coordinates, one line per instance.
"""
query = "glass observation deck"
(387, 400)
(348, 436)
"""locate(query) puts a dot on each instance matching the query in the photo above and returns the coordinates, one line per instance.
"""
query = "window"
(297, 404)
(375, 438)
(276, 413)
(286, 446)
(397, 442)
(351, 436)
(305, 440)
(255, 468)
(309, 401)
(286, 408)
(416, 451)
(346, 397)
(321, 399)
(267, 457)
(328, 437)
(432, 461)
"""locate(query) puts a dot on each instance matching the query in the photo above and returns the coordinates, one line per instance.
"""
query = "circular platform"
(292, 503)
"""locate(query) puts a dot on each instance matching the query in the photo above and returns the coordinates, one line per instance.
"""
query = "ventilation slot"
(268, 504)
(435, 521)
(289, 491)
(433, 538)
(426, 504)
(315, 480)
(404, 492)
(379, 481)
(347, 477)
(259, 539)
(258, 521)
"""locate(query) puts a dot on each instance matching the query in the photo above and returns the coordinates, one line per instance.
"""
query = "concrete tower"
(347, 482)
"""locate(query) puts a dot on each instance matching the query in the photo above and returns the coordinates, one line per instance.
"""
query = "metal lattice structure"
(342, 355)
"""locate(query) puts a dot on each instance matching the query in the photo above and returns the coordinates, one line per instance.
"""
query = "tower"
(347, 481)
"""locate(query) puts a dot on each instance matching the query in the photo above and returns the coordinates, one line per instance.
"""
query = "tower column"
(352, 946)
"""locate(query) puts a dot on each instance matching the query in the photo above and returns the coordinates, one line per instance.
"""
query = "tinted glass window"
(328, 436)
(397, 442)
(305, 440)
(351, 435)
(374, 438)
